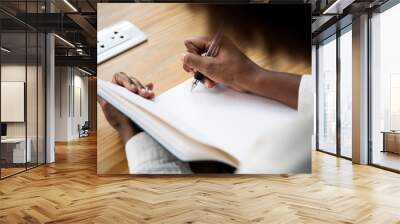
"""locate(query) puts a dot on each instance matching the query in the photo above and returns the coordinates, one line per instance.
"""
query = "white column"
(360, 90)
(50, 93)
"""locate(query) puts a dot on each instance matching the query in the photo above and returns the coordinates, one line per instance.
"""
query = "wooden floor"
(69, 191)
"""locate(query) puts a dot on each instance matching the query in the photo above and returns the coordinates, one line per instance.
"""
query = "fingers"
(208, 83)
(101, 102)
(197, 45)
(150, 86)
(113, 116)
(193, 63)
(104, 106)
(198, 63)
(122, 79)
(134, 85)
(187, 68)
(147, 92)
(107, 108)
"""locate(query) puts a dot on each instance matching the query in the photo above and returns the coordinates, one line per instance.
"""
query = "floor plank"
(69, 191)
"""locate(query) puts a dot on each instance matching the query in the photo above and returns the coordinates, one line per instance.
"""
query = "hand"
(229, 67)
(125, 127)
(234, 69)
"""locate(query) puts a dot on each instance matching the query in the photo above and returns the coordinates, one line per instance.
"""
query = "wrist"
(252, 76)
(279, 86)
(126, 131)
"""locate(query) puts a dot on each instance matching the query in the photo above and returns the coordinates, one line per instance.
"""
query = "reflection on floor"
(11, 169)
(387, 159)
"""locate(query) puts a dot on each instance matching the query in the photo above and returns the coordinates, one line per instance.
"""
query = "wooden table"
(158, 61)
(391, 141)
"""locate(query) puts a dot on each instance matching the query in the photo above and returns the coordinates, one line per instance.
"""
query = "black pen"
(211, 52)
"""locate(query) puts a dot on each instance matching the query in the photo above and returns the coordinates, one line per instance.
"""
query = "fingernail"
(183, 56)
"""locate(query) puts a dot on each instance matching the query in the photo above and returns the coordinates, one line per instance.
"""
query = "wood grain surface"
(158, 60)
(70, 191)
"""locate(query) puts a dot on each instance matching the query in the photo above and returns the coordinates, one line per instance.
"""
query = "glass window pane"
(32, 87)
(14, 153)
(23, 82)
(327, 96)
(346, 94)
(31, 97)
(385, 93)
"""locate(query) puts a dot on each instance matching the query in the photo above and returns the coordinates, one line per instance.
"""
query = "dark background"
(284, 28)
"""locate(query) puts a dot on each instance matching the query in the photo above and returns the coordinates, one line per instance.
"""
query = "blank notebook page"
(232, 121)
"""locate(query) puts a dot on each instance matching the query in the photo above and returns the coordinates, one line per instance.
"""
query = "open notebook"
(243, 130)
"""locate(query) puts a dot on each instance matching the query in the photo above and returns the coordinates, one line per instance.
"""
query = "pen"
(211, 52)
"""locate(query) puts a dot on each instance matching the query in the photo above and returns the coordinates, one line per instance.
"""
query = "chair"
(84, 130)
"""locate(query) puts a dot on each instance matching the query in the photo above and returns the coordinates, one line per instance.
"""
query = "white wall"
(61, 103)
(12, 101)
(80, 118)
(14, 73)
(70, 84)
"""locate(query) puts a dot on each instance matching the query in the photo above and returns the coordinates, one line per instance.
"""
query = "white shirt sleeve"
(146, 156)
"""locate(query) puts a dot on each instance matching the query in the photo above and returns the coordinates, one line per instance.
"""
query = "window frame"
(26, 30)
(334, 37)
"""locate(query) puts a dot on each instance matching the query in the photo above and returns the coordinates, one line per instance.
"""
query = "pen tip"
(194, 84)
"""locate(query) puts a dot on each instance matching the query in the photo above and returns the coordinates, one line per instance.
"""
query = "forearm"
(280, 86)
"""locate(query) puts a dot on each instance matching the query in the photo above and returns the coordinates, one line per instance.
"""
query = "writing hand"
(234, 69)
(226, 68)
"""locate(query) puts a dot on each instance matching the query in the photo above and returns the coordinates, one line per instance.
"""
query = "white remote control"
(116, 39)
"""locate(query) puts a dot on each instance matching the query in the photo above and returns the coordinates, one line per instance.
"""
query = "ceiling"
(76, 20)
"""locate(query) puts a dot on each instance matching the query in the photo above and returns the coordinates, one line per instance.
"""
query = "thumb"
(197, 62)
